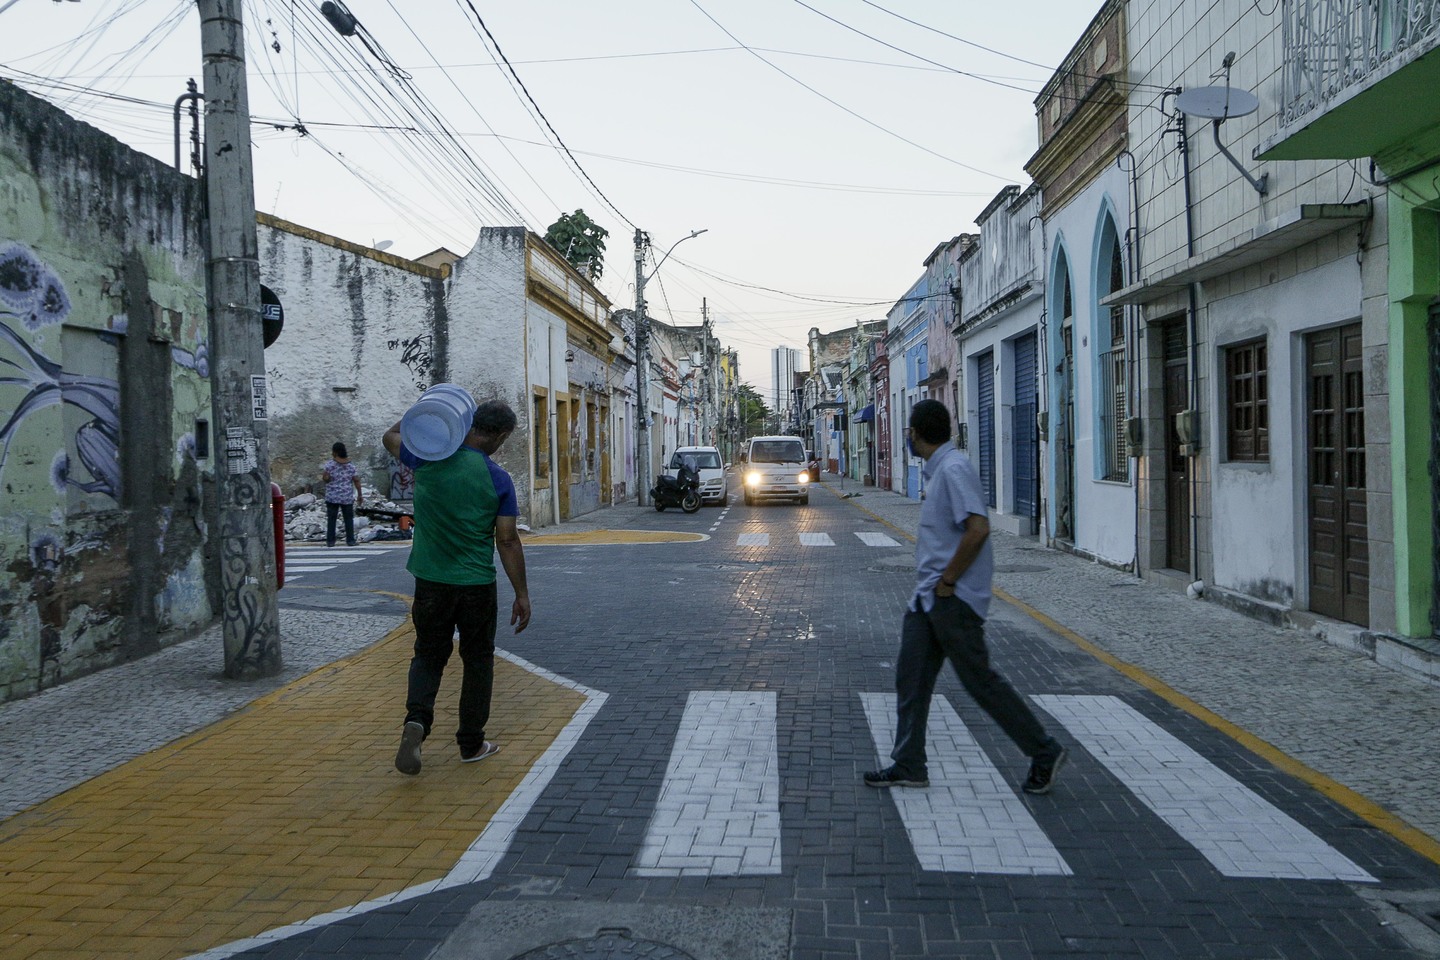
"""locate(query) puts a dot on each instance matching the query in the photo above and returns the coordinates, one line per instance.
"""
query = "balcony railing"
(1334, 45)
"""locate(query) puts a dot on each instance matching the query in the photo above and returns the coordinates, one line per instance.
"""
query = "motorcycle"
(681, 490)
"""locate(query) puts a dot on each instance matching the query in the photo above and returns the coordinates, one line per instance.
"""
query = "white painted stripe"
(969, 820)
(479, 861)
(306, 567)
(719, 808)
(353, 552)
(816, 540)
(1236, 830)
(753, 540)
(873, 539)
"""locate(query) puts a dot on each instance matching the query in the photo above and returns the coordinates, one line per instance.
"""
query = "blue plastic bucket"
(436, 425)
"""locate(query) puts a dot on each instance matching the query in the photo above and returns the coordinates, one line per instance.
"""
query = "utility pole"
(705, 370)
(642, 374)
(239, 390)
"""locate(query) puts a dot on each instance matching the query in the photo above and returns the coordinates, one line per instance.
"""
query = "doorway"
(985, 426)
(1339, 562)
(1025, 465)
(1175, 389)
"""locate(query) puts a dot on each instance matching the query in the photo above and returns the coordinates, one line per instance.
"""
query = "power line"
(481, 21)
(836, 103)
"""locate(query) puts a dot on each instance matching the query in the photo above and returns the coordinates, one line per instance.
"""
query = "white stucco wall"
(1271, 497)
(361, 342)
(1104, 510)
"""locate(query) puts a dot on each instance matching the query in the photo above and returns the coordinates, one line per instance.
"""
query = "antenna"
(1218, 104)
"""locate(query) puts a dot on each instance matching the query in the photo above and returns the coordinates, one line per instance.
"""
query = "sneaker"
(892, 777)
(473, 754)
(1044, 768)
(407, 758)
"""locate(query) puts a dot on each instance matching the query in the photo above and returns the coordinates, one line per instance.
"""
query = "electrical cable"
(841, 106)
(480, 20)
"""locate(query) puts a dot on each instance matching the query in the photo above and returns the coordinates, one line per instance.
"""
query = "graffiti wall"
(103, 378)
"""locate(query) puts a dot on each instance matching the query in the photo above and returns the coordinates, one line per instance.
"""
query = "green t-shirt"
(456, 502)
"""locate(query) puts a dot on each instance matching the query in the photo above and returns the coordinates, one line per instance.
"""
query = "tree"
(753, 412)
(581, 241)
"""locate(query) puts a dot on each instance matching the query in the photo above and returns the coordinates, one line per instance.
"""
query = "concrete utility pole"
(642, 358)
(239, 391)
(705, 370)
(642, 374)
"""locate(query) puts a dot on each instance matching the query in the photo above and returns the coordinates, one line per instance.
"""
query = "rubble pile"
(305, 518)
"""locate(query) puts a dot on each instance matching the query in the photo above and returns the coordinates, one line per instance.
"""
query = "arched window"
(1113, 368)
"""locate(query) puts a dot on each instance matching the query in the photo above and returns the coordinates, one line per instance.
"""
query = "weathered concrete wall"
(365, 333)
(103, 337)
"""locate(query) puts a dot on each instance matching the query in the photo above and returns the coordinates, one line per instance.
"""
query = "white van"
(776, 469)
(709, 465)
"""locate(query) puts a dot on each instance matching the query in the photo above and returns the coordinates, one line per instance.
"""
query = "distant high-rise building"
(784, 364)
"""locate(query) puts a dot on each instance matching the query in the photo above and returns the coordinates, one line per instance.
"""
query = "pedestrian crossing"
(817, 539)
(302, 560)
(718, 813)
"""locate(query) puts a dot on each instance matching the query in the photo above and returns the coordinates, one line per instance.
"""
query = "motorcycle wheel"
(690, 502)
(659, 507)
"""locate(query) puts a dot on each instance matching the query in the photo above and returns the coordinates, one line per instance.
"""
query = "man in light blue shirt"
(954, 569)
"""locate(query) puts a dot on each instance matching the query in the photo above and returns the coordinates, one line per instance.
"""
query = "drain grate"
(607, 945)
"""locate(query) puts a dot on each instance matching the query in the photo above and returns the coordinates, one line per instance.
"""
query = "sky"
(825, 146)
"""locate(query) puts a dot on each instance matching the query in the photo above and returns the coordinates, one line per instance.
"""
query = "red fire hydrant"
(277, 516)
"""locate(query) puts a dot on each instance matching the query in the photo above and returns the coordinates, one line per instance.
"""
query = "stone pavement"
(97, 767)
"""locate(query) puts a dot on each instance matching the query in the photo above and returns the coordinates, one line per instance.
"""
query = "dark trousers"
(439, 612)
(348, 509)
(953, 631)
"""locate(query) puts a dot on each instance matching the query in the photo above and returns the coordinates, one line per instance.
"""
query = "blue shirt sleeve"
(966, 495)
(509, 504)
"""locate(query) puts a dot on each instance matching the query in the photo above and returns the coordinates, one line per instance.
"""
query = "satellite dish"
(387, 244)
(1217, 103)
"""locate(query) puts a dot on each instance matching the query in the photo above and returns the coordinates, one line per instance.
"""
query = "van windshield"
(776, 451)
(698, 459)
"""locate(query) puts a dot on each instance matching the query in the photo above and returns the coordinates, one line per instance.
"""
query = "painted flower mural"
(31, 293)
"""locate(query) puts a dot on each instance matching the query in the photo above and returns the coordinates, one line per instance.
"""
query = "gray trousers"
(951, 630)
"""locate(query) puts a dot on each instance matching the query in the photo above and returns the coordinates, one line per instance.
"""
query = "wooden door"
(1175, 387)
(1339, 561)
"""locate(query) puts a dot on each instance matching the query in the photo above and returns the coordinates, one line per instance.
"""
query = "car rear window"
(776, 451)
(700, 460)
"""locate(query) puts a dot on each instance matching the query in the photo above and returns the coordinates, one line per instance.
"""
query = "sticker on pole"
(241, 452)
(259, 398)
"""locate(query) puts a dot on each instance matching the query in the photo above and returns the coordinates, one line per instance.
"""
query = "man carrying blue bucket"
(465, 512)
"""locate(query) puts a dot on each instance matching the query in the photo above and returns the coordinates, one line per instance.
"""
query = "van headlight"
(752, 479)
(804, 477)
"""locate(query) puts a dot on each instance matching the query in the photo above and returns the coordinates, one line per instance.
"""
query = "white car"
(776, 469)
(709, 466)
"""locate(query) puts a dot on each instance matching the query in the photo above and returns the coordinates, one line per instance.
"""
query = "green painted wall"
(1414, 284)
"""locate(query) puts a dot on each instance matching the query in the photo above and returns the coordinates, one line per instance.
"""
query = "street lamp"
(642, 359)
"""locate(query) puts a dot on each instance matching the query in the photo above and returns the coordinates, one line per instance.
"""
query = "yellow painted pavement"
(289, 809)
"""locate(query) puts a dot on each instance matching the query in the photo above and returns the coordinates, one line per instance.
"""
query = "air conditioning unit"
(1134, 437)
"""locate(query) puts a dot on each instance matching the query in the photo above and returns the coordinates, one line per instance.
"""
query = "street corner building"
(106, 471)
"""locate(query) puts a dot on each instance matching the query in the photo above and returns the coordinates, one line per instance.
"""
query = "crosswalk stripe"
(753, 540)
(873, 539)
(1231, 826)
(307, 567)
(719, 808)
(357, 553)
(969, 820)
(816, 540)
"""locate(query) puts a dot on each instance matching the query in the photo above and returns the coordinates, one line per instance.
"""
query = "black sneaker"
(892, 777)
(407, 758)
(1044, 768)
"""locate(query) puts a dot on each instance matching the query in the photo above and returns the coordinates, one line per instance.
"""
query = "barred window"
(1247, 403)
(1114, 379)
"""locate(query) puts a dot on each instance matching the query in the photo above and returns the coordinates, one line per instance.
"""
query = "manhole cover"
(606, 945)
(1021, 568)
